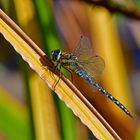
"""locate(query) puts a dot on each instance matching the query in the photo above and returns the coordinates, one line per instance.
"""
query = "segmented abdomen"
(82, 73)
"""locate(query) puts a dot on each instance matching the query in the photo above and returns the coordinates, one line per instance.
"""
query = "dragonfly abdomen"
(108, 95)
(82, 73)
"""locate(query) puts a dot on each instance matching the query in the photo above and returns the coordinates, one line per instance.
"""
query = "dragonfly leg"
(60, 75)
(71, 75)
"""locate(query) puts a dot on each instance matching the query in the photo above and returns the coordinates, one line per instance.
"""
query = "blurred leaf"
(47, 25)
(51, 42)
(115, 77)
(45, 117)
(14, 118)
(138, 133)
(5, 5)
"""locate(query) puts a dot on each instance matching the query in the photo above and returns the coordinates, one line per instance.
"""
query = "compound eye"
(56, 55)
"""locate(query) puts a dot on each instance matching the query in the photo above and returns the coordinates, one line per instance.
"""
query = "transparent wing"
(83, 50)
(93, 64)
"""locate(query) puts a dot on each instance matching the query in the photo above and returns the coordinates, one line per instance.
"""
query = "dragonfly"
(87, 66)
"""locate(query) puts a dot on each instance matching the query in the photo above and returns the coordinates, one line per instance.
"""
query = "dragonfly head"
(56, 55)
